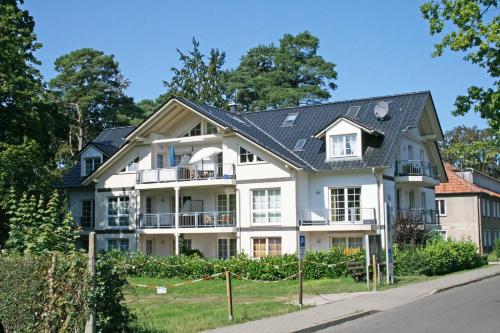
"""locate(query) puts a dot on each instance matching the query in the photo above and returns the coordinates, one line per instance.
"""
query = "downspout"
(379, 220)
(238, 221)
(479, 221)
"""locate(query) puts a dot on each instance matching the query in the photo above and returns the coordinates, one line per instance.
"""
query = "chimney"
(233, 107)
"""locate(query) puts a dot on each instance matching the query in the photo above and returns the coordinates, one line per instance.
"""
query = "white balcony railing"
(338, 216)
(189, 220)
(205, 171)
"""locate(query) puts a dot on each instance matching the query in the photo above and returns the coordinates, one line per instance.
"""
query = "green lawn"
(492, 257)
(199, 306)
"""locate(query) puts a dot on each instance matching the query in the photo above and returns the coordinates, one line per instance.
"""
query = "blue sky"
(380, 47)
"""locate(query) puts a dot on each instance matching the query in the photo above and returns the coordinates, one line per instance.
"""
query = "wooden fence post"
(229, 295)
(90, 325)
(374, 277)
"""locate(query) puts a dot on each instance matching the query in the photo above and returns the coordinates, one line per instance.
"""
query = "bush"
(51, 293)
(317, 265)
(497, 248)
(437, 258)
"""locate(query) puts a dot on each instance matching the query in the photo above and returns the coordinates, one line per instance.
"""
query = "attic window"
(132, 166)
(353, 111)
(299, 145)
(290, 119)
(196, 130)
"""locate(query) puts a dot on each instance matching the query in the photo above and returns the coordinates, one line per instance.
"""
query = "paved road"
(471, 308)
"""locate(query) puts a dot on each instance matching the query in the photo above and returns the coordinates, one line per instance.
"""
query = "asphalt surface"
(471, 308)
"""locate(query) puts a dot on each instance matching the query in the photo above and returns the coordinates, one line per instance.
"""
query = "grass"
(492, 257)
(202, 305)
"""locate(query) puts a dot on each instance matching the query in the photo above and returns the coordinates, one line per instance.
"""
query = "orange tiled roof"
(457, 184)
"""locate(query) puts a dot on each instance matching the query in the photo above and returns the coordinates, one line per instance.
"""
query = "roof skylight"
(299, 145)
(290, 119)
(353, 111)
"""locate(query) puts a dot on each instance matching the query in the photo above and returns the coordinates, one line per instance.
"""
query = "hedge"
(437, 258)
(317, 265)
(51, 293)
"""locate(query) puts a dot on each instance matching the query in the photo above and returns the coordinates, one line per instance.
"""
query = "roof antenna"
(381, 110)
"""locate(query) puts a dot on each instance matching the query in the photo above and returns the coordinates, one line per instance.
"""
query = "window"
(398, 199)
(423, 200)
(91, 164)
(422, 155)
(211, 128)
(226, 202)
(160, 161)
(188, 244)
(266, 206)
(299, 145)
(88, 209)
(348, 242)
(410, 152)
(118, 212)
(149, 247)
(248, 157)
(344, 145)
(149, 205)
(266, 247)
(226, 248)
(132, 166)
(290, 119)
(412, 199)
(441, 207)
(345, 204)
(118, 244)
(196, 130)
(353, 111)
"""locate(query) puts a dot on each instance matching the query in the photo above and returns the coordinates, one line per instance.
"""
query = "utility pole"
(90, 325)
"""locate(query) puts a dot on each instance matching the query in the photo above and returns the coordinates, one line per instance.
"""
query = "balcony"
(207, 172)
(338, 219)
(428, 218)
(214, 219)
(416, 171)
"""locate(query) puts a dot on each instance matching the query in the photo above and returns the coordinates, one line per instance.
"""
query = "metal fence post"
(90, 325)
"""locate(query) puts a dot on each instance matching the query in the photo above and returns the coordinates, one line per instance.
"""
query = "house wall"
(75, 197)
(462, 217)
(343, 127)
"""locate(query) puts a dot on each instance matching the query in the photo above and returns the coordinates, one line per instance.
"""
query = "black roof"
(109, 141)
(265, 128)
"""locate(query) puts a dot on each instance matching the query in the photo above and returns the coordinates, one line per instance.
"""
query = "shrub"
(51, 293)
(317, 265)
(497, 248)
(437, 258)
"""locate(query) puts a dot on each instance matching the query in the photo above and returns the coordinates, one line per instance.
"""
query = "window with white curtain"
(118, 211)
(344, 145)
(266, 206)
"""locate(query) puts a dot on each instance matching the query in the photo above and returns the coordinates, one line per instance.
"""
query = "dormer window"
(290, 119)
(196, 130)
(344, 145)
(91, 164)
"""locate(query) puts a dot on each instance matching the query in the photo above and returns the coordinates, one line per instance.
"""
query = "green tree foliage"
(38, 225)
(290, 74)
(91, 89)
(198, 79)
(471, 27)
(470, 147)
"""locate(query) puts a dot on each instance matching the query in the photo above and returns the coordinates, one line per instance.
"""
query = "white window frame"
(95, 164)
(266, 210)
(256, 158)
(344, 141)
(210, 125)
(228, 247)
(346, 207)
(347, 241)
(149, 242)
(118, 215)
(290, 119)
(118, 240)
(439, 206)
(267, 245)
(189, 133)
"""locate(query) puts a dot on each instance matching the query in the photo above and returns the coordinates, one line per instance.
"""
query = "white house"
(252, 182)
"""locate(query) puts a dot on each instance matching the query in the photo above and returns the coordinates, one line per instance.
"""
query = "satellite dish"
(381, 110)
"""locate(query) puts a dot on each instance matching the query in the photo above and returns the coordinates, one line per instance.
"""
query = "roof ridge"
(112, 128)
(336, 102)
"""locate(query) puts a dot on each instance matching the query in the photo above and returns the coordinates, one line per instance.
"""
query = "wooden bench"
(357, 270)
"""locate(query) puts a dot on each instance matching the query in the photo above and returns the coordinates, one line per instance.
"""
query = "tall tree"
(198, 79)
(31, 126)
(470, 147)
(91, 89)
(290, 74)
(472, 27)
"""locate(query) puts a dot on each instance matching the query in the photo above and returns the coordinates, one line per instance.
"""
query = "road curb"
(336, 322)
(440, 290)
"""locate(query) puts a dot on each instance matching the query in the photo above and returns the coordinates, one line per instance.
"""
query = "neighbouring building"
(469, 206)
(228, 182)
